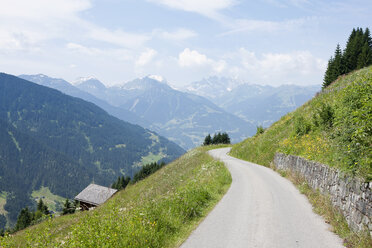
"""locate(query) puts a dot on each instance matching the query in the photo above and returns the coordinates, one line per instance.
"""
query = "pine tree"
(216, 138)
(225, 139)
(357, 54)
(367, 37)
(353, 49)
(24, 219)
(68, 208)
(329, 74)
(365, 57)
(207, 140)
(2, 221)
(338, 63)
(42, 207)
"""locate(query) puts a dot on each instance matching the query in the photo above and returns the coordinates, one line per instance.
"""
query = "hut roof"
(95, 194)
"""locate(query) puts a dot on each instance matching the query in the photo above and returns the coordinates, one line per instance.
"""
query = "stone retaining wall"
(351, 195)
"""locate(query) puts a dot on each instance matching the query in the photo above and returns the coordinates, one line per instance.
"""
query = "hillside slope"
(159, 211)
(63, 143)
(334, 128)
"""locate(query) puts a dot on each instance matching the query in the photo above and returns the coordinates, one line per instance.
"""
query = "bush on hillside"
(260, 130)
(301, 126)
(324, 116)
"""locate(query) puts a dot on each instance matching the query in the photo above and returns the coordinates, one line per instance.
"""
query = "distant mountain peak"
(147, 82)
(157, 78)
(81, 80)
(89, 82)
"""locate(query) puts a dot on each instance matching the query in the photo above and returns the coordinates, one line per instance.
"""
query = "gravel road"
(261, 209)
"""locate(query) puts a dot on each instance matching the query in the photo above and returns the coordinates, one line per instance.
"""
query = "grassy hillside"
(159, 211)
(334, 128)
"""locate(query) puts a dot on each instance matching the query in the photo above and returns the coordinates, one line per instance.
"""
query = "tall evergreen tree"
(353, 49)
(2, 221)
(225, 138)
(24, 219)
(329, 74)
(216, 138)
(365, 57)
(207, 140)
(338, 63)
(68, 208)
(42, 207)
(367, 37)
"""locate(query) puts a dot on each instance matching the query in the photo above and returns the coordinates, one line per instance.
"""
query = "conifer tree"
(225, 138)
(2, 221)
(42, 207)
(24, 219)
(68, 208)
(329, 74)
(216, 138)
(353, 49)
(357, 54)
(338, 63)
(365, 57)
(367, 38)
(207, 140)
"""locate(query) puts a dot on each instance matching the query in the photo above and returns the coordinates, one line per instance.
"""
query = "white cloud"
(208, 8)
(118, 54)
(193, 59)
(299, 67)
(118, 37)
(178, 35)
(26, 25)
(245, 25)
(189, 58)
(146, 57)
(42, 9)
(82, 49)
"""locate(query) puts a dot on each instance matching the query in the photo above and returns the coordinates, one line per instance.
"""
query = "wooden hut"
(93, 196)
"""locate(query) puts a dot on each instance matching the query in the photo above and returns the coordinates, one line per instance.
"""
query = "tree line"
(356, 55)
(219, 138)
(123, 181)
(27, 217)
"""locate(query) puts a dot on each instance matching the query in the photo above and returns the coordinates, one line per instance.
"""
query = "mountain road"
(260, 209)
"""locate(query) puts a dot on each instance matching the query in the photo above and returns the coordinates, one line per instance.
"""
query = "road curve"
(261, 209)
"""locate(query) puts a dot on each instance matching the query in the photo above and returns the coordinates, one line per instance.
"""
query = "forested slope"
(61, 142)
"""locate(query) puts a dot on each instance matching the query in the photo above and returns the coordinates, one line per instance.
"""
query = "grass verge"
(160, 211)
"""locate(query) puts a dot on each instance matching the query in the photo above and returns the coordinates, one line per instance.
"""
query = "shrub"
(326, 116)
(301, 126)
(260, 130)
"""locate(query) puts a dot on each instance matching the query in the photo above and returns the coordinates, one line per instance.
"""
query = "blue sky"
(264, 41)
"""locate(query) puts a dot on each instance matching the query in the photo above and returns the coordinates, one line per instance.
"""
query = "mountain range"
(181, 117)
(260, 105)
(188, 114)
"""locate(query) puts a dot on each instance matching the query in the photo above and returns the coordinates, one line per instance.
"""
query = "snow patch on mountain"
(156, 77)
